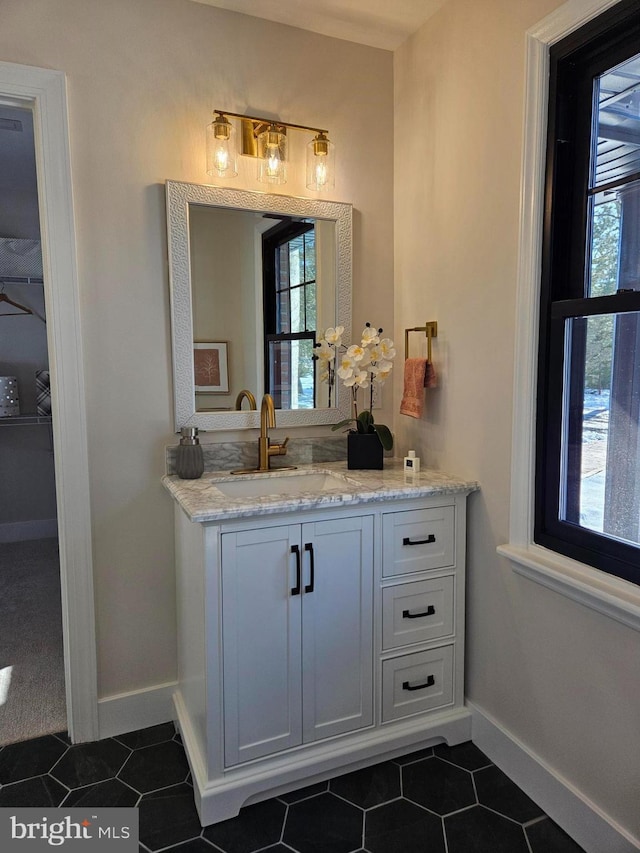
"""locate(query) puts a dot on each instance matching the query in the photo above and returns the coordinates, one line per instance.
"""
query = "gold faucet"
(267, 421)
(252, 400)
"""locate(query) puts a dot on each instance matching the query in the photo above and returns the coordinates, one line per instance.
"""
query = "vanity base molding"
(221, 799)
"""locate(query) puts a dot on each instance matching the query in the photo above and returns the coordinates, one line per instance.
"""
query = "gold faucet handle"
(279, 449)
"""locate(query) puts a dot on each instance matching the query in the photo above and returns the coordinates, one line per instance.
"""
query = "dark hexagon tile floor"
(438, 799)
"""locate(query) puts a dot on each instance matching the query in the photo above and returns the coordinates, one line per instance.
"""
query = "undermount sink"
(305, 482)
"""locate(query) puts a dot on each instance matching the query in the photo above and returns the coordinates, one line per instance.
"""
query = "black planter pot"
(364, 450)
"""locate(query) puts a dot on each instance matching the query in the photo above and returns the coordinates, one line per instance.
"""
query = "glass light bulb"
(221, 159)
(221, 149)
(272, 156)
(320, 163)
(273, 163)
(321, 173)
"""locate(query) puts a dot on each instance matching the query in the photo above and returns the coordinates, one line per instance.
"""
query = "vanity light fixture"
(222, 153)
(272, 155)
(266, 139)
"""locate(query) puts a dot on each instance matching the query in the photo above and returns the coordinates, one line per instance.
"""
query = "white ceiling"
(377, 23)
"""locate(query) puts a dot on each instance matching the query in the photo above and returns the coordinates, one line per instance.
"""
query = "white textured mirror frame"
(179, 197)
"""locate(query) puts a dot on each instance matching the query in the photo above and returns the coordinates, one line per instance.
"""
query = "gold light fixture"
(266, 139)
(272, 155)
(221, 148)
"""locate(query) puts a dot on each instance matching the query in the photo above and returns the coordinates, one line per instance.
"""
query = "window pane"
(616, 152)
(600, 485)
(605, 243)
(282, 265)
(310, 295)
(297, 310)
(310, 256)
(291, 374)
(296, 261)
(283, 312)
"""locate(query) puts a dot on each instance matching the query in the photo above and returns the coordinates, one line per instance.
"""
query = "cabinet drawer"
(418, 541)
(415, 683)
(417, 612)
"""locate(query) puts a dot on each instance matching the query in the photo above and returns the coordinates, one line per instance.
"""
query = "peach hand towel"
(413, 395)
(430, 380)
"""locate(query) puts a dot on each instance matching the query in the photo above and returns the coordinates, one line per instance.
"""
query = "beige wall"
(561, 678)
(143, 78)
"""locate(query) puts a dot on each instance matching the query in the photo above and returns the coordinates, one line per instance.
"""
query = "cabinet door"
(337, 634)
(261, 632)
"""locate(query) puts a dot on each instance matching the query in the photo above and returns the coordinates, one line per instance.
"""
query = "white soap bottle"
(411, 463)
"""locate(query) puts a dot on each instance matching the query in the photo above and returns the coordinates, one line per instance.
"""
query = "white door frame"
(44, 91)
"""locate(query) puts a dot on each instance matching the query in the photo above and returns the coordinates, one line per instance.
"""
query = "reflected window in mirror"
(290, 315)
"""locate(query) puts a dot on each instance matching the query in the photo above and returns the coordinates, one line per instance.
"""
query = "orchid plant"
(361, 365)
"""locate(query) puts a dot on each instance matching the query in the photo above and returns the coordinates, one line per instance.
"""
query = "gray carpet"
(32, 697)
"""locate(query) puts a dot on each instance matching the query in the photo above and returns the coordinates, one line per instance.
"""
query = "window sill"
(604, 593)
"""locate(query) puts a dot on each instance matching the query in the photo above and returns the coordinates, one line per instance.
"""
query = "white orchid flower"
(362, 379)
(355, 352)
(382, 371)
(346, 368)
(369, 336)
(387, 349)
(375, 353)
(325, 352)
(358, 379)
(334, 336)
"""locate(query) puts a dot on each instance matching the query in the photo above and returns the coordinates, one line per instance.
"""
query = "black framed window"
(587, 497)
(289, 278)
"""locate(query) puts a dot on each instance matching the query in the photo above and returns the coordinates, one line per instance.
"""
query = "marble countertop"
(203, 501)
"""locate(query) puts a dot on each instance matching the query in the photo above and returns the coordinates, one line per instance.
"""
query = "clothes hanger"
(22, 308)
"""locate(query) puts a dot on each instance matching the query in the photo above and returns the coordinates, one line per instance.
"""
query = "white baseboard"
(580, 818)
(20, 531)
(128, 712)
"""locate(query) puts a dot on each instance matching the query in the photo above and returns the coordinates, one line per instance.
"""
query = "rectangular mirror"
(254, 278)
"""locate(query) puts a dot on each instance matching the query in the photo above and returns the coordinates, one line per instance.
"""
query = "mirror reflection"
(255, 278)
(263, 286)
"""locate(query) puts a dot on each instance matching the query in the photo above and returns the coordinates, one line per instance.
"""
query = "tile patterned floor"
(440, 800)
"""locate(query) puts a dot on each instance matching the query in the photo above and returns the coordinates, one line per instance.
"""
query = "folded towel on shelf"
(412, 402)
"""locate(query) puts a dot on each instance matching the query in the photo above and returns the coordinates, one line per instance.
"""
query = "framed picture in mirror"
(211, 367)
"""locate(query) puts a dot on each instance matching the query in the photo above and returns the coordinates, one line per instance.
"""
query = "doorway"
(43, 92)
(32, 689)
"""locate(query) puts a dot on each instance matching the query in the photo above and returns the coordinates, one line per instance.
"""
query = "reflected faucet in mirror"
(252, 400)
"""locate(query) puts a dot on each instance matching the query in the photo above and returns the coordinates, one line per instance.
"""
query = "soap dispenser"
(189, 456)
(411, 463)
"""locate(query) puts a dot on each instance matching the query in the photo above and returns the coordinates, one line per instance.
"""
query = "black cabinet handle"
(428, 612)
(430, 538)
(296, 589)
(428, 683)
(312, 569)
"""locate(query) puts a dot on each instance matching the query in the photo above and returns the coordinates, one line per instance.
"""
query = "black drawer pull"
(312, 569)
(428, 612)
(430, 538)
(428, 683)
(296, 589)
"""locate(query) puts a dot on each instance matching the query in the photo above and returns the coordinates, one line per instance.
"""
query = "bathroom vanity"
(320, 625)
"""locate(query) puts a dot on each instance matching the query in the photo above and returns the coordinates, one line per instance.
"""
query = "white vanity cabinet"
(297, 628)
(317, 637)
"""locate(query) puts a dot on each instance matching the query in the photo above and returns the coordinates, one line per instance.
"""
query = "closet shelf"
(25, 420)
